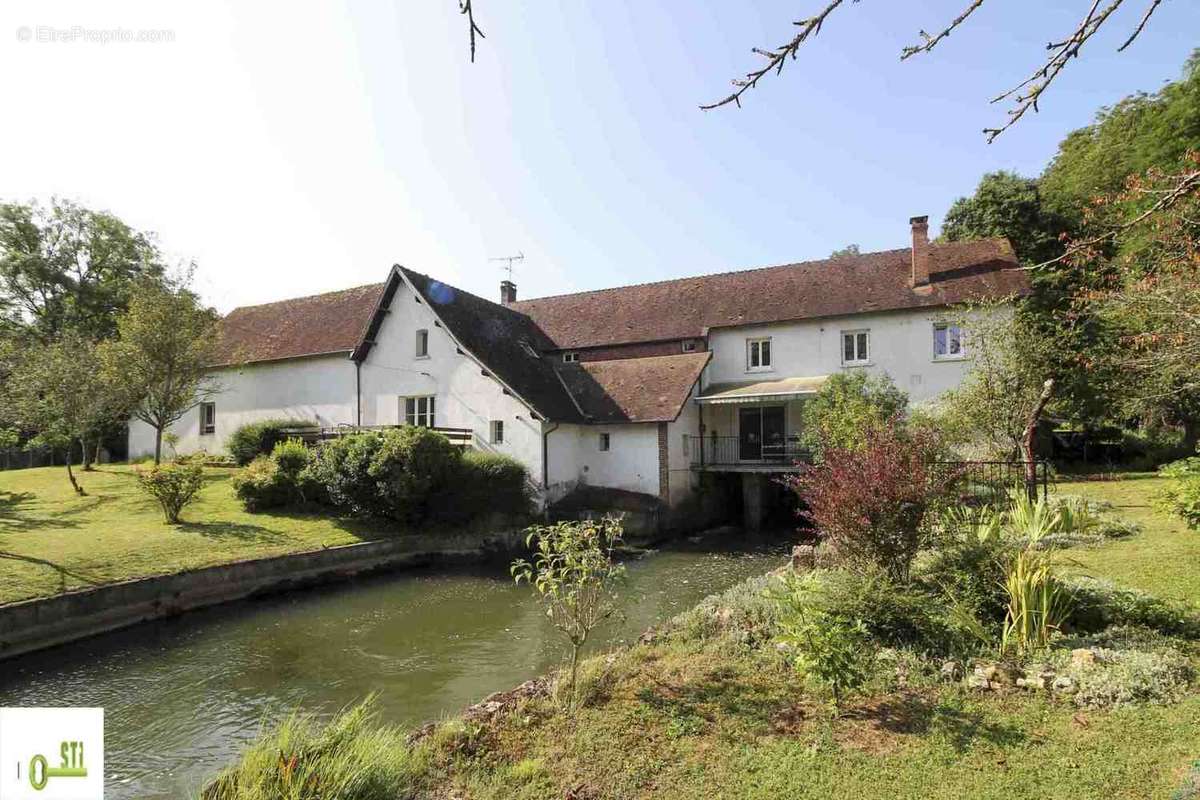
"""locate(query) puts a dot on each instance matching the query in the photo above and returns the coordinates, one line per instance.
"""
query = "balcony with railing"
(745, 453)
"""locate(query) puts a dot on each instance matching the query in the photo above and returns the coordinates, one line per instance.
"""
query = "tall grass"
(1038, 602)
(353, 757)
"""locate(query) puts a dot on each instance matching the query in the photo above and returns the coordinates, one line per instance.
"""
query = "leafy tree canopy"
(1008, 205)
(68, 268)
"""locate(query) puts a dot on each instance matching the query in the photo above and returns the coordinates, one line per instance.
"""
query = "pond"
(182, 696)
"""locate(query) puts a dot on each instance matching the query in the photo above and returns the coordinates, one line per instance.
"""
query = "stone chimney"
(920, 251)
(508, 292)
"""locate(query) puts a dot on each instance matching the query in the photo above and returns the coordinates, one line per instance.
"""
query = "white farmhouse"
(639, 388)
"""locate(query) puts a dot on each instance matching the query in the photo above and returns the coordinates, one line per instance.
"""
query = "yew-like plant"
(870, 502)
(575, 577)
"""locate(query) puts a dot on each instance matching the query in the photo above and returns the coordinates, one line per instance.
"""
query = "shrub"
(259, 438)
(870, 503)
(1099, 604)
(1182, 496)
(173, 486)
(743, 615)
(350, 758)
(968, 575)
(281, 479)
(1130, 667)
(341, 466)
(848, 407)
(206, 459)
(827, 646)
(483, 483)
(410, 466)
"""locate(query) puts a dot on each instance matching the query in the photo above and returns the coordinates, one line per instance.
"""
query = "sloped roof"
(498, 336)
(650, 389)
(321, 324)
(689, 307)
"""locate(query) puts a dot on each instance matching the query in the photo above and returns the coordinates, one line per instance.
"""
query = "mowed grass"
(705, 718)
(53, 541)
(1164, 559)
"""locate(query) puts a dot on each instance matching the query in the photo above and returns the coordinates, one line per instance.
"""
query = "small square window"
(208, 418)
(856, 347)
(605, 442)
(422, 343)
(497, 431)
(570, 358)
(948, 342)
(689, 345)
(758, 355)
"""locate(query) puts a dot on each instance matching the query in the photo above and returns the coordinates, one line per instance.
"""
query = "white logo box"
(60, 749)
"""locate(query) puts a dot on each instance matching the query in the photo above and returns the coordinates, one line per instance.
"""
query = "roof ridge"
(715, 275)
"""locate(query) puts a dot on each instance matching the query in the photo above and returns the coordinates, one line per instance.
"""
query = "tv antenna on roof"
(520, 256)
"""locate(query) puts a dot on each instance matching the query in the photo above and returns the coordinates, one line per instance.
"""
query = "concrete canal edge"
(44, 622)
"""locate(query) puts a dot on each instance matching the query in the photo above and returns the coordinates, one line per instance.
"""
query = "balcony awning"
(761, 391)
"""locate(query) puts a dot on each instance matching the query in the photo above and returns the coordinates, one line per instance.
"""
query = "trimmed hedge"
(256, 439)
(281, 479)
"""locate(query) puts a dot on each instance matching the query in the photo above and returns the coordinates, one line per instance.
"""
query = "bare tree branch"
(464, 7)
(1141, 25)
(931, 42)
(777, 57)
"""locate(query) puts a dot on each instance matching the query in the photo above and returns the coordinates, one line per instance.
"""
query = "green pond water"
(183, 696)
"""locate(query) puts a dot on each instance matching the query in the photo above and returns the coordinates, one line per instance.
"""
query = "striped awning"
(761, 391)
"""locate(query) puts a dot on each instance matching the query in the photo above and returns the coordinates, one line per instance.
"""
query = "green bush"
(847, 408)
(173, 485)
(411, 466)
(895, 614)
(743, 615)
(284, 478)
(484, 483)
(969, 575)
(352, 757)
(1182, 496)
(259, 438)
(826, 644)
(416, 475)
(1097, 604)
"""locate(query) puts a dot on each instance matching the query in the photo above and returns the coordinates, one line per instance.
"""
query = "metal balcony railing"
(726, 451)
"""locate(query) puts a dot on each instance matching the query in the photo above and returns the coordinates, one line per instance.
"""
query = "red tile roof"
(689, 307)
(304, 326)
(650, 389)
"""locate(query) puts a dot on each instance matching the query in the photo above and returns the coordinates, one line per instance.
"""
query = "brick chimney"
(920, 251)
(508, 292)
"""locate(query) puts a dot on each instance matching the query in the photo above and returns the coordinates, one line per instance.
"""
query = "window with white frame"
(689, 345)
(856, 347)
(422, 343)
(948, 342)
(758, 355)
(570, 358)
(605, 442)
(497, 431)
(418, 411)
(208, 418)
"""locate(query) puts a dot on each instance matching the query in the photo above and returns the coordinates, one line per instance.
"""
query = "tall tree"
(1008, 205)
(68, 268)
(60, 393)
(165, 346)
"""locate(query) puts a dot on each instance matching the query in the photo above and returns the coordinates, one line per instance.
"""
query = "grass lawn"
(703, 716)
(52, 541)
(1163, 560)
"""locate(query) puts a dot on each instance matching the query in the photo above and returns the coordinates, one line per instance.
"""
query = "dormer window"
(689, 345)
(570, 358)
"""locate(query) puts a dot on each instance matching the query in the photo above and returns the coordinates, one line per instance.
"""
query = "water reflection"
(182, 696)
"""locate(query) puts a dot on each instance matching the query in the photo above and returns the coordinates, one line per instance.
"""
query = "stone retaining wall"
(44, 622)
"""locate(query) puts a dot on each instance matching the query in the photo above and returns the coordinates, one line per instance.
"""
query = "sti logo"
(51, 753)
(72, 766)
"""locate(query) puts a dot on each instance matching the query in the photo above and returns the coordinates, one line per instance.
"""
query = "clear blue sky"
(294, 148)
